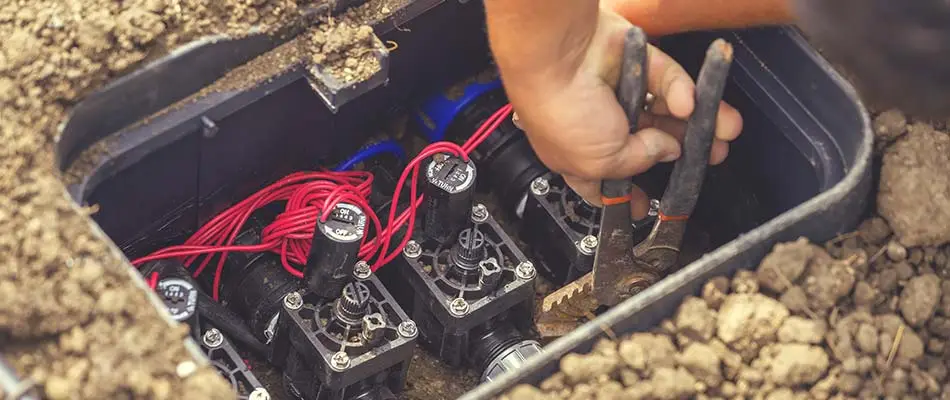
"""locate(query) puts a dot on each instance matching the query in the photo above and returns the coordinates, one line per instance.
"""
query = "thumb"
(589, 190)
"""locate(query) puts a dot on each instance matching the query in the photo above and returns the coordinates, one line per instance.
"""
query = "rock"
(904, 271)
(672, 384)
(584, 367)
(864, 294)
(802, 330)
(794, 363)
(643, 350)
(58, 388)
(866, 338)
(914, 193)
(554, 383)
(874, 230)
(748, 321)
(850, 383)
(745, 282)
(795, 299)
(897, 385)
(629, 377)
(922, 382)
(786, 263)
(714, 291)
(939, 326)
(919, 299)
(911, 347)
(781, 394)
(609, 390)
(889, 125)
(525, 392)
(915, 256)
(826, 283)
(695, 320)
(641, 391)
(896, 252)
(938, 370)
(943, 309)
(703, 362)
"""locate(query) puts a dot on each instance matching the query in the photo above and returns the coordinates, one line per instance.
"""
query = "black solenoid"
(336, 246)
(449, 196)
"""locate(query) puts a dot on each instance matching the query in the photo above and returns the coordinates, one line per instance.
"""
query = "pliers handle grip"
(619, 272)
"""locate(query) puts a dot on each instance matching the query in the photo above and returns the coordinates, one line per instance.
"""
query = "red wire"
(153, 280)
(309, 197)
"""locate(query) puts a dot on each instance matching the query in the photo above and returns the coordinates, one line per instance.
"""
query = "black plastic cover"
(779, 76)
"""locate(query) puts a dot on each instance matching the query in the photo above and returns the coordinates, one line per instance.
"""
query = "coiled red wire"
(309, 196)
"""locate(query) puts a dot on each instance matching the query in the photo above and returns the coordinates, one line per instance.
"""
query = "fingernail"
(680, 96)
(661, 147)
(516, 121)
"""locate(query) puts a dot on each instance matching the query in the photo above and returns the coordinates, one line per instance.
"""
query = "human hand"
(578, 129)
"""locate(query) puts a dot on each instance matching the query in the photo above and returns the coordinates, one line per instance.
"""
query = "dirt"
(863, 316)
(344, 50)
(430, 379)
(72, 319)
(914, 194)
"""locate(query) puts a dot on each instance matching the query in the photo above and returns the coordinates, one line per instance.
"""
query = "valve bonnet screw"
(654, 208)
(479, 213)
(525, 270)
(588, 244)
(340, 361)
(293, 301)
(412, 249)
(407, 329)
(259, 394)
(212, 338)
(540, 186)
(362, 270)
(458, 306)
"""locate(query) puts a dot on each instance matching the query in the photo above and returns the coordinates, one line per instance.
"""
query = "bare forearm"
(661, 17)
(539, 38)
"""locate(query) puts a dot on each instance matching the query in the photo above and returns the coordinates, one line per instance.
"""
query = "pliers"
(621, 269)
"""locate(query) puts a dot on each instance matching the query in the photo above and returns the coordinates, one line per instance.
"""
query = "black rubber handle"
(631, 93)
(682, 192)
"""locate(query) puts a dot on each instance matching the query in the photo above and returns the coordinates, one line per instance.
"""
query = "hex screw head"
(588, 244)
(293, 301)
(212, 338)
(412, 249)
(340, 361)
(479, 213)
(259, 394)
(458, 306)
(654, 208)
(540, 186)
(407, 329)
(362, 270)
(526, 270)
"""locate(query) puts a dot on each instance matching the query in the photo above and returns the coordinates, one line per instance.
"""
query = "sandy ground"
(71, 319)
